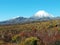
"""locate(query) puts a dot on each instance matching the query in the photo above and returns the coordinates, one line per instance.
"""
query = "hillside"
(38, 16)
(35, 33)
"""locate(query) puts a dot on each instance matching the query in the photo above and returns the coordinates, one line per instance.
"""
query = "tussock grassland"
(43, 33)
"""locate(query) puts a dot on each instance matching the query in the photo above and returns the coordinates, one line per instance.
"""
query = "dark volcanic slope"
(24, 20)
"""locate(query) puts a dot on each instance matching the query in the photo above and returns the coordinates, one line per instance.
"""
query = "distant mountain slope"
(23, 20)
(14, 21)
(38, 16)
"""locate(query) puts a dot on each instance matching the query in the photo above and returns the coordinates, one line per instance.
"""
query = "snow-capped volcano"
(42, 13)
(38, 16)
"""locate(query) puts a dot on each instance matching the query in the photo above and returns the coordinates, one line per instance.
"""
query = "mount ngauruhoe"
(38, 16)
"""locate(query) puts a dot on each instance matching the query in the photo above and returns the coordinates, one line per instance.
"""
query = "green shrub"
(57, 43)
(16, 39)
(31, 41)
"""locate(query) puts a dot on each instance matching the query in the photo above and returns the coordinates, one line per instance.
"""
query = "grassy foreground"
(36, 33)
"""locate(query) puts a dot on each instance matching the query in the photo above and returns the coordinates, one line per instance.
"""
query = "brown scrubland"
(35, 33)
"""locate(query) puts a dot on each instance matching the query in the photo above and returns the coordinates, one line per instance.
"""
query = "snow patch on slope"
(43, 13)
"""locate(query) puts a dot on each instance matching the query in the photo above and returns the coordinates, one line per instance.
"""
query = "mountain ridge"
(38, 16)
(21, 20)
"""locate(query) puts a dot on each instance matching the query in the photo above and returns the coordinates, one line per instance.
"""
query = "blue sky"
(27, 8)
